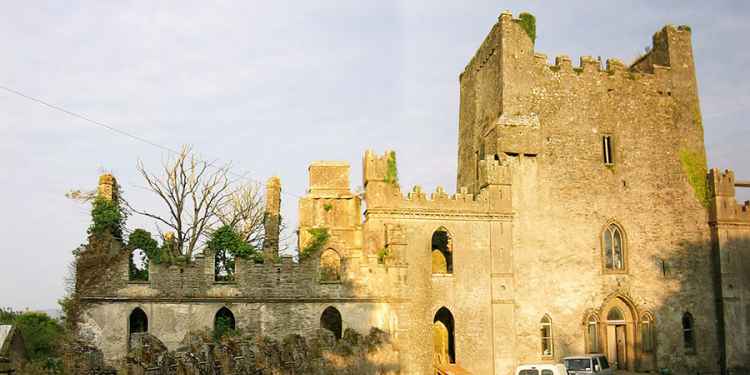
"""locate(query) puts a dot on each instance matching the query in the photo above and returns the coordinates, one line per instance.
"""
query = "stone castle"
(586, 221)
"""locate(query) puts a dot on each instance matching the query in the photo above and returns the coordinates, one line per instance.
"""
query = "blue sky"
(273, 86)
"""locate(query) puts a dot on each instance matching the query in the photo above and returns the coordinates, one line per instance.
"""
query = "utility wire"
(122, 132)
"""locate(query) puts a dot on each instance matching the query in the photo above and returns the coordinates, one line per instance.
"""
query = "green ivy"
(223, 327)
(106, 217)
(382, 253)
(224, 242)
(391, 174)
(528, 23)
(694, 166)
(327, 207)
(319, 238)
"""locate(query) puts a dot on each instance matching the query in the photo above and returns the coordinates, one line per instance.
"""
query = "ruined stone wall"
(401, 227)
(730, 224)
(546, 122)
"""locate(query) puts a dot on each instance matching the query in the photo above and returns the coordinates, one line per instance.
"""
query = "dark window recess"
(607, 149)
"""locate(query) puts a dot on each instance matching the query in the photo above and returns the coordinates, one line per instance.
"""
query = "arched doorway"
(223, 322)
(331, 320)
(138, 321)
(442, 251)
(443, 337)
(619, 332)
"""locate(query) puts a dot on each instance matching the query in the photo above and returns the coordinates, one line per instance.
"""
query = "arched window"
(138, 269)
(331, 320)
(615, 314)
(546, 336)
(223, 265)
(592, 333)
(613, 245)
(443, 337)
(138, 321)
(224, 322)
(442, 252)
(647, 333)
(688, 333)
(330, 266)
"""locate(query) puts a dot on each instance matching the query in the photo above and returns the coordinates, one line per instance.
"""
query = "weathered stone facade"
(585, 222)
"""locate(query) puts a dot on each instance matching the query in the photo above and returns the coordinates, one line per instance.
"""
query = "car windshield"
(529, 372)
(578, 364)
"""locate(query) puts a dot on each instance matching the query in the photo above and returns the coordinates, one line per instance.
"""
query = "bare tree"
(244, 212)
(193, 191)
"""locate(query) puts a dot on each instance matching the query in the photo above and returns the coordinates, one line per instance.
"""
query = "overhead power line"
(122, 132)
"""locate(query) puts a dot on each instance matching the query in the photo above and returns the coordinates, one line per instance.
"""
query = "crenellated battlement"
(724, 204)
(382, 192)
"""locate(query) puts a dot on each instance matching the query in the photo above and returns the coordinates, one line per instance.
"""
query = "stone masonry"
(585, 221)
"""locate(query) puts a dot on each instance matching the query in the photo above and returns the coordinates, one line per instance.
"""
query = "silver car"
(588, 364)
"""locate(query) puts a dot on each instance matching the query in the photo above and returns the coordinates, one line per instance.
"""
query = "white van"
(588, 364)
(541, 369)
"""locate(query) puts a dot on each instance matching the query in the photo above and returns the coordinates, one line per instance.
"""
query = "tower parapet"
(724, 205)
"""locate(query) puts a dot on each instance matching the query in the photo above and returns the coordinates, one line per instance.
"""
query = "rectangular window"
(607, 149)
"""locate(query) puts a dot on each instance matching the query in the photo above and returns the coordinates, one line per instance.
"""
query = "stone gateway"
(585, 221)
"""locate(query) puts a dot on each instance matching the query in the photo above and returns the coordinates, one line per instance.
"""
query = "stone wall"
(546, 122)
(730, 224)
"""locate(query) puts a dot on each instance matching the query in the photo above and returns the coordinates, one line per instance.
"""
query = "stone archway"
(443, 339)
(618, 332)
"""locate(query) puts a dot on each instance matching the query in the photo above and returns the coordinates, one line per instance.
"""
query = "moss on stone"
(391, 174)
(528, 23)
(694, 165)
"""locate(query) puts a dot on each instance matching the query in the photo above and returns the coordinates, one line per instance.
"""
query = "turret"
(272, 218)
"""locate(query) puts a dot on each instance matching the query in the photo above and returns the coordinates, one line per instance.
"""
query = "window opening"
(614, 252)
(688, 333)
(607, 148)
(546, 336)
(442, 252)
(138, 268)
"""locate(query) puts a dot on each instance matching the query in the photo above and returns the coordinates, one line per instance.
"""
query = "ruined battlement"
(382, 190)
(724, 204)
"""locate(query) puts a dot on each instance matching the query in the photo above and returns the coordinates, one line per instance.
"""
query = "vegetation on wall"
(318, 239)
(382, 253)
(391, 173)
(227, 245)
(528, 23)
(694, 166)
(106, 216)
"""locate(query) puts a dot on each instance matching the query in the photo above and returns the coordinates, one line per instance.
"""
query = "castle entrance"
(620, 333)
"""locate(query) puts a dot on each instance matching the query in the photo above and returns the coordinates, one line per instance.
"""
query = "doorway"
(617, 345)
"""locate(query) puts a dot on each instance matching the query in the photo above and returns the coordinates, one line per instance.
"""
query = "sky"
(272, 86)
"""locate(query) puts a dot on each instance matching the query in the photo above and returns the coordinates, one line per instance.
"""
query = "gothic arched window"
(592, 333)
(613, 246)
(330, 266)
(546, 336)
(647, 333)
(442, 252)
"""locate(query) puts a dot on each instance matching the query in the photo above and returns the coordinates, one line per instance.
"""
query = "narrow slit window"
(607, 148)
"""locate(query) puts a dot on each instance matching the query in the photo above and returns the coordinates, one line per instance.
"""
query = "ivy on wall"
(391, 173)
(694, 166)
(528, 23)
(319, 238)
(106, 216)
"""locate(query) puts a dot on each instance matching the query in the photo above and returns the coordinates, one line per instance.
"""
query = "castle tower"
(272, 218)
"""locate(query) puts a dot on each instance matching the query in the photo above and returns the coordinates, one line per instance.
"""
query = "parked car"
(588, 364)
(541, 369)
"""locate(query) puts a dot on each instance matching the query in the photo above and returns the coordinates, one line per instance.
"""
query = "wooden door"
(621, 345)
(611, 345)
